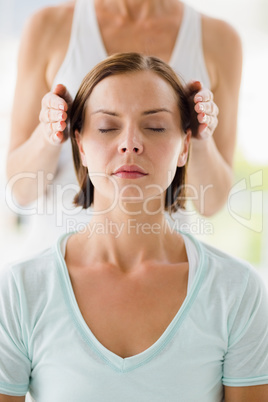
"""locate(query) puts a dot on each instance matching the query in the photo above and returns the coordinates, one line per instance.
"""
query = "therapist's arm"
(7, 398)
(210, 169)
(258, 393)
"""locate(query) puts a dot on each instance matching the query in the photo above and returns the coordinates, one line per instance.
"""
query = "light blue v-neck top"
(218, 337)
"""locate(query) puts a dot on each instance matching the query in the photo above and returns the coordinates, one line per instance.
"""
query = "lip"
(130, 171)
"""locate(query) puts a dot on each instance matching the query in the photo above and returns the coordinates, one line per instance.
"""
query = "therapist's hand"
(206, 116)
(54, 115)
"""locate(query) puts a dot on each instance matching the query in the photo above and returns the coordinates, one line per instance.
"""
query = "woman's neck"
(128, 240)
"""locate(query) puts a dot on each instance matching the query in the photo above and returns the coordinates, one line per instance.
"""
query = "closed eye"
(159, 130)
(106, 130)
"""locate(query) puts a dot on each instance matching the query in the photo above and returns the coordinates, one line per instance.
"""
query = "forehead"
(139, 89)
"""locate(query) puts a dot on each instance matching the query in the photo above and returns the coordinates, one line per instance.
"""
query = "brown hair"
(123, 63)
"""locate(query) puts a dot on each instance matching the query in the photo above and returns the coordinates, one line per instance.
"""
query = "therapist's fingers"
(54, 115)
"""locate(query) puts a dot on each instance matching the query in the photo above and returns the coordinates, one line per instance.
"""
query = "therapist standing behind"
(60, 44)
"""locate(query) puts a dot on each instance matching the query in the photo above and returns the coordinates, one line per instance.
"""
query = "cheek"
(168, 153)
(167, 157)
(95, 155)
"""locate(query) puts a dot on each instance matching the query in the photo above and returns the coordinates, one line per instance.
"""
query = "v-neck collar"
(116, 362)
(102, 48)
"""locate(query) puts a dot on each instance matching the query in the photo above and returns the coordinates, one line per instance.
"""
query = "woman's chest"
(129, 313)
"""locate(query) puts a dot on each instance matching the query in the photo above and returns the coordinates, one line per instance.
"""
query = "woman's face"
(132, 141)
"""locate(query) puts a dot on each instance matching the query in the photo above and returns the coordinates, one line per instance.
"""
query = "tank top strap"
(95, 29)
(187, 57)
(85, 48)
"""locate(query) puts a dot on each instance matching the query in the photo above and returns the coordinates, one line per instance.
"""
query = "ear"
(185, 149)
(78, 138)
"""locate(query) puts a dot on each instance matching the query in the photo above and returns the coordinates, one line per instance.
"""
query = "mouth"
(130, 172)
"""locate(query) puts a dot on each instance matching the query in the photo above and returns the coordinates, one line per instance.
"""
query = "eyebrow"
(105, 112)
(154, 111)
(145, 113)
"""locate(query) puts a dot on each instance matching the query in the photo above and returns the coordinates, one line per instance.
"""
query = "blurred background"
(241, 228)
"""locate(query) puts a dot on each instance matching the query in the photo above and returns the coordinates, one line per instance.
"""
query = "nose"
(131, 142)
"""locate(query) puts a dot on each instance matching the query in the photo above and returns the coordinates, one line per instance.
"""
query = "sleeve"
(15, 365)
(246, 360)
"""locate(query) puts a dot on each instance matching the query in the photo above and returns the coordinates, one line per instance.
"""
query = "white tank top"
(86, 48)
(55, 214)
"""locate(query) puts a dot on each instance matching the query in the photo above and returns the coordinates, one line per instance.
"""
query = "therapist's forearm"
(29, 166)
(209, 177)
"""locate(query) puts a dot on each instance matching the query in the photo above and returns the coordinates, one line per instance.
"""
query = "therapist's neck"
(138, 9)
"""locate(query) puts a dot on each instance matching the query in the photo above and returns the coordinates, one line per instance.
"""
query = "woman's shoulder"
(27, 287)
(220, 266)
(230, 270)
(33, 270)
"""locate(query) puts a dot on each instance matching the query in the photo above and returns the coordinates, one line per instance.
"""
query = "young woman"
(129, 309)
(61, 44)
